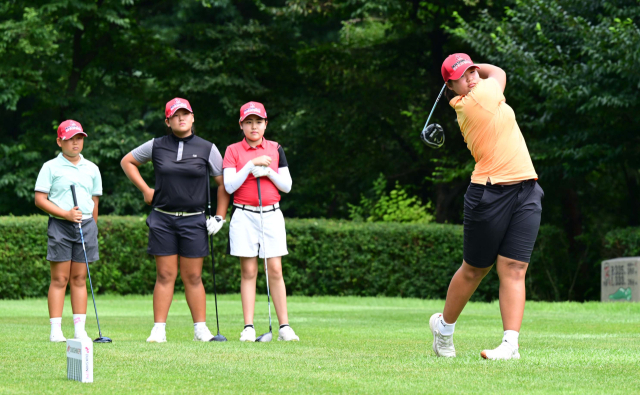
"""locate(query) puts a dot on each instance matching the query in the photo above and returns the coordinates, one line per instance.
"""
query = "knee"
(249, 273)
(166, 276)
(515, 270)
(473, 274)
(275, 273)
(191, 279)
(59, 281)
(79, 280)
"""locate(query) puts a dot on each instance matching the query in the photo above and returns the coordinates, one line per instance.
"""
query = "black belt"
(254, 209)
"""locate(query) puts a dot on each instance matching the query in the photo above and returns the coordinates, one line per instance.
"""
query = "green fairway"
(364, 345)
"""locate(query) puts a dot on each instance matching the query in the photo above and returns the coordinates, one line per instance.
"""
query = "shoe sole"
(57, 341)
(285, 340)
(248, 340)
(431, 325)
(483, 354)
(156, 341)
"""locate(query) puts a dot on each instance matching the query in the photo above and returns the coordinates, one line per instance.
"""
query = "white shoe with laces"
(248, 334)
(287, 334)
(202, 334)
(158, 335)
(503, 351)
(57, 337)
(442, 345)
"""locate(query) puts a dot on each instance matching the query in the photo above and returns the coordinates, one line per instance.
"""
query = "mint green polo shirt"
(57, 175)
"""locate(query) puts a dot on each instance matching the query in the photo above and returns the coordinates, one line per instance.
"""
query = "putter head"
(218, 338)
(103, 339)
(265, 338)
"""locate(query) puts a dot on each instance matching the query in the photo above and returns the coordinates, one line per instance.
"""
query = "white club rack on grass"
(80, 360)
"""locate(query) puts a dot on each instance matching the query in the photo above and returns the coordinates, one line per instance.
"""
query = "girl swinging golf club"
(502, 206)
(178, 227)
(255, 169)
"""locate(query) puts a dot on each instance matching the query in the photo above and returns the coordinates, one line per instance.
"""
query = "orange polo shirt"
(489, 128)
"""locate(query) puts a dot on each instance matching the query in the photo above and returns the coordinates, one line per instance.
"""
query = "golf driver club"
(265, 337)
(433, 135)
(101, 339)
(218, 337)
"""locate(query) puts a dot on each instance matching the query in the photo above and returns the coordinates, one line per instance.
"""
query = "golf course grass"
(347, 345)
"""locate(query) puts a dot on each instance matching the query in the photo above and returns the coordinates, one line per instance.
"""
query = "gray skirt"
(64, 241)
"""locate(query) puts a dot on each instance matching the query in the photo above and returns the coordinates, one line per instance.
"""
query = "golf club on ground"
(218, 337)
(433, 135)
(101, 339)
(265, 337)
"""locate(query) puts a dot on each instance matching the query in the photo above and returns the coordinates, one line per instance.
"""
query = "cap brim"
(73, 134)
(460, 72)
(252, 113)
(176, 110)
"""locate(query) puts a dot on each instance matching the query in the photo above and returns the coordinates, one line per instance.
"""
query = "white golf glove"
(214, 224)
(261, 171)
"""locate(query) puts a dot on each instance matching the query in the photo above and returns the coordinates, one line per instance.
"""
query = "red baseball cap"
(253, 107)
(455, 65)
(174, 105)
(69, 128)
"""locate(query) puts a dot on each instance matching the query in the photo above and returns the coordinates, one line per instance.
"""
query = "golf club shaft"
(264, 250)
(434, 105)
(213, 261)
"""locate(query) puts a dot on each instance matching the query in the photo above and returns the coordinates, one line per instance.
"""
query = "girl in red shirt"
(244, 162)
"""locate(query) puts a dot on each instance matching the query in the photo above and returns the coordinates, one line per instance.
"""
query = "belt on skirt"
(254, 209)
(178, 213)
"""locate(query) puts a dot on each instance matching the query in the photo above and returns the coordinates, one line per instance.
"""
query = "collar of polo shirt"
(66, 161)
(247, 147)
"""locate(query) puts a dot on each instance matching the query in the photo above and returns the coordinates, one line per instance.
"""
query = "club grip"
(73, 193)
(259, 194)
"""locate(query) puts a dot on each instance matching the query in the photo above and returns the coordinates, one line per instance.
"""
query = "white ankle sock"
(444, 328)
(199, 325)
(78, 322)
(56, 324)
(511, 337)
(160, 325)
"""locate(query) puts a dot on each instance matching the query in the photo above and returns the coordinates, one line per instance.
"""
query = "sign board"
(80, 360)
(620, 278)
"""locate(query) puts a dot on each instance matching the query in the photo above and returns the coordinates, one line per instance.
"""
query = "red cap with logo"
(252, 108)
(455, 65)
(69, 128)
(174, 105)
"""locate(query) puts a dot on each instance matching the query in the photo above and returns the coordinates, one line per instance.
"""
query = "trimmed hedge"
(325, 258)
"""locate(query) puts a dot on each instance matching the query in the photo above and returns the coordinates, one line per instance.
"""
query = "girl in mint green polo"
(64, 248)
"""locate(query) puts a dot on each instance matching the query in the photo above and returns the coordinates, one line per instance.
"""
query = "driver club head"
(265, 338)
(103, 339)
(218, 338)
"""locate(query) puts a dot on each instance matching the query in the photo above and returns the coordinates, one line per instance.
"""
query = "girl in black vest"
(177, 224)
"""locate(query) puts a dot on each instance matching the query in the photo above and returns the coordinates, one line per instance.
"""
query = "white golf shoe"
(287, 334)
(442, 345)
(503, 351)
(248, 334)
(57, 337)
(202, 334)
(78, 335)
(158, 335)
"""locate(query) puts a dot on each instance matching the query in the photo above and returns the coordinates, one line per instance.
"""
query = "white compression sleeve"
(233, 180)
(282, 179)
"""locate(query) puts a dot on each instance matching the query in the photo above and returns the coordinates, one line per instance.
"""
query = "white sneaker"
(57, 337)
(442, 345)
(287, 334)
(81, 335)
(248, 334)
(202, 335)
(158, 335)
(503, 351)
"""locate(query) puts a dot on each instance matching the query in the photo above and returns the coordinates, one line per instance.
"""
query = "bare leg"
(249, 271)
(278, 290)
(512, 292)
(166, 273)
(78, 288)
(59, 278)
(191, 273)
(463, 284)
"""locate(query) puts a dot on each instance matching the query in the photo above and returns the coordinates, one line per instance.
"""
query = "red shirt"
(237, 156)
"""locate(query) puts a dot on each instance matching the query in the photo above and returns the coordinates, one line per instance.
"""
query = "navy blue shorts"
(171, 235)
(501, 220)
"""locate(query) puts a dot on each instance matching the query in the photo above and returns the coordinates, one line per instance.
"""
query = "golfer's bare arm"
(223, 198)
(44, 204)
(490, 71)
(130, 166)
(96, 201)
